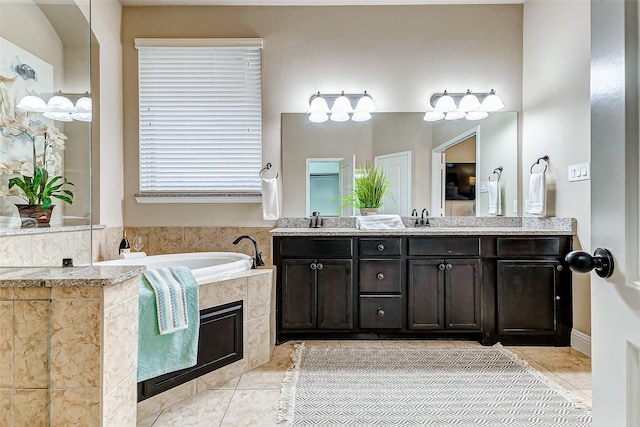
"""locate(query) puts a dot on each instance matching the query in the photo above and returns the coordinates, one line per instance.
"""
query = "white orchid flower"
(26, 169)
(15, 191)
(5, 169)
(4, 190)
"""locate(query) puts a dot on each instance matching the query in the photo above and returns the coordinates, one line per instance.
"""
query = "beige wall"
(401, 55)
(556, 117)
(105, 23)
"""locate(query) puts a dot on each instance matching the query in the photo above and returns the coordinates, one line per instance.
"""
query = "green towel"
(160, 354)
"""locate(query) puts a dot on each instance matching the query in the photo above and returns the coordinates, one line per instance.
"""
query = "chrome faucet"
(257, 262)
(424, 219)
(316, 221)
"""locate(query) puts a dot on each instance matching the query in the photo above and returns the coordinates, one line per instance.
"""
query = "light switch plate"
(579, 172)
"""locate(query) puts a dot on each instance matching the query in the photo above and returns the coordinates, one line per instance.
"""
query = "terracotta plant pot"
(33, 216)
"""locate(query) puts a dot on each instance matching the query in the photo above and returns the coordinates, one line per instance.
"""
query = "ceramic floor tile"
(206, 409)
(255, 408)
(444, 343)
(262, 379)
(231, 384)
(147, 422)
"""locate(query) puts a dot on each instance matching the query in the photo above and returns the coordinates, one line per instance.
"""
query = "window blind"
(200, 116)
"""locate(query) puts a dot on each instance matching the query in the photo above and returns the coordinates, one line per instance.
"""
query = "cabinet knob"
(381, 247)
(380, 312)
(313, 266)
(558, 298)
(442, 267)
(559, 268)
(449, 266)
(320, 266)
(380, 276)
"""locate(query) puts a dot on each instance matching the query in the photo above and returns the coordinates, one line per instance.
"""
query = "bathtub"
(206, 266)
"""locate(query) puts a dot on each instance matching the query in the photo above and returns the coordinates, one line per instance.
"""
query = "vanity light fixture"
(341, 107)
(58, 107)
(454, 106)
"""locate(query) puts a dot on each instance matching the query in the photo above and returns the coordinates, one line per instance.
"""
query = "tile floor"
(252, 398)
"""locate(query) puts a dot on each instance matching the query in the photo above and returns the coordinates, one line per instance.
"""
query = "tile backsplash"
(47, 249)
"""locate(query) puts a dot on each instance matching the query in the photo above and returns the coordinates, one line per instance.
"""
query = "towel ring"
(267, 167)
(545, 158)
(499, 173)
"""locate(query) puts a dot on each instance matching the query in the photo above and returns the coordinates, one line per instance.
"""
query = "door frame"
(307, 178)
(437, 181)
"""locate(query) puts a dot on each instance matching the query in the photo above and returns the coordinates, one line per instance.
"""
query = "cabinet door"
(426, 294)
(527, 293)
(462, 294)
(335, 293)
(298, 294)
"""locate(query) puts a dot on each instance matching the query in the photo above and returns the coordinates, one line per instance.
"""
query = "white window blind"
(200, 116)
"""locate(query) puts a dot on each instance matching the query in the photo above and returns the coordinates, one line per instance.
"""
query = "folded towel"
(159, 354)
(127, 255)
(537, 194)
(379, 222)
(171, 300)
(270, 198)
(495, 198)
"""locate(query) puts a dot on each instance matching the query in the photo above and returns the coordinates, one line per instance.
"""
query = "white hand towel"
(270, 198)
(379, 222)
(537, 194)
(495, 201)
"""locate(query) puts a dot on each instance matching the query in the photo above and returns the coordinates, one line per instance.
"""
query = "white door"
(347, 181)
(615, 301)
(398, 169)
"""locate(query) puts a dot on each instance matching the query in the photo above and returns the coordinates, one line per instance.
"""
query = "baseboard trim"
(581, 342)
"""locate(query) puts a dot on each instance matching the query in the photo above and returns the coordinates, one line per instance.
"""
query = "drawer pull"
(558, 298)
(380, 312)
(380, 276)
(559, 268)
(449, 266)
(442, 267)
(313, 266)
(381, 247)
(320, 266)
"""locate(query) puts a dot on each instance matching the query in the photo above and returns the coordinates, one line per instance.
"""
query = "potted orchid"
(36, 177)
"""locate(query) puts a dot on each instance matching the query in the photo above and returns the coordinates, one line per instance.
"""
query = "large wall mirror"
(444, 167)
(45, 51)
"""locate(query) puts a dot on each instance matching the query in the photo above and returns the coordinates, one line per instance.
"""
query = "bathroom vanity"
(505, 284)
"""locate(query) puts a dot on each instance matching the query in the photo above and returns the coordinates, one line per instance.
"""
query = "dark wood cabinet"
(509, 289)
(444, 294)
(316, 294)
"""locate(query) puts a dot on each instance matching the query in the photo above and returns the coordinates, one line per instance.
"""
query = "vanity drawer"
(380, 247)
(381, 312)
(528, 246)
(380, 275)
(444, 246)
(316, 248)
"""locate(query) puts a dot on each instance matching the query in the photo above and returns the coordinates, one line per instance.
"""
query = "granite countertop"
(441, 226)
(67, 276)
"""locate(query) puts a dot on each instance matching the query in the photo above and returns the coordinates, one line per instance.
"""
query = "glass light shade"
(454, 115)
(360, 116)
(445, 103)
(81, 117)
(469, 102)
(60, 104)
(492, 103)
(318, 105)
(433, 116)
(83, 105)
(32, 103)
(61, 117)
(341, 105)
(476, 115)
(318, 117)
(339, 117)
(365, 104)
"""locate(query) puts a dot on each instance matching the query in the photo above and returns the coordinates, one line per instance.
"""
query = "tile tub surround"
(256, 289)
(68, 340)
(167, 240)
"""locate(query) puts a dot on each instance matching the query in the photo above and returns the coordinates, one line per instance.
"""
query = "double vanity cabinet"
(501, 287)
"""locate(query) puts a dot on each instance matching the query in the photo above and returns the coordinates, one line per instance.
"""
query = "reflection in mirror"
(44, 52)
(410, 150)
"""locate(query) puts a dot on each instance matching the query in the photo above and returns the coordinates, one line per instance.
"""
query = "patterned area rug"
(427, 387)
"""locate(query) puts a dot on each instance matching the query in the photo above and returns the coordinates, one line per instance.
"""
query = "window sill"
(173, 198)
